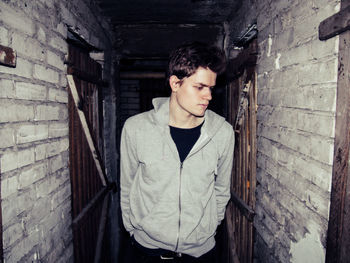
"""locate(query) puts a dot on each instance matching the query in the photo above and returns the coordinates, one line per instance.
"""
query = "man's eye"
(199, 88)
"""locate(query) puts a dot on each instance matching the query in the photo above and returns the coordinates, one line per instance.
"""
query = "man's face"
(194, 93)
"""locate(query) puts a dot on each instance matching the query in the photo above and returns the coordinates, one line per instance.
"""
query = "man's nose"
(207, 94)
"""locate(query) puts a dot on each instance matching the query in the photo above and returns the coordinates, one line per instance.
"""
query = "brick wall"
(35, 185)
(297, 76)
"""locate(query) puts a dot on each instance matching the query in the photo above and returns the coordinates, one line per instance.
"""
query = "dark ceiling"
(168, 11)
(150, 28)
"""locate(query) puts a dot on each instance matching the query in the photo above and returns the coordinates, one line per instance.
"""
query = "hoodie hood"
(160, 115)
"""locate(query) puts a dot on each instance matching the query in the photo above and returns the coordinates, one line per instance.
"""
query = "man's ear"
(174, 83)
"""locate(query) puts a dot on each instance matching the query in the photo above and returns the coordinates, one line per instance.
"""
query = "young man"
(176, 163)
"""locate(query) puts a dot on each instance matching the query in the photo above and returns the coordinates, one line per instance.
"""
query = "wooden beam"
(86, 76)
(338, 239)
(85, 127)
(102, 229)
(141, 75)
(90, 206)
(335, 25)
(8, 56)
(243, 207)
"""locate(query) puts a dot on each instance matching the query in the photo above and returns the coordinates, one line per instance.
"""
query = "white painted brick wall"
(31, 133)
(51, 112)
(58, 130)
(23, 68)
(7, 136)
(45, 74)
(58, 95)
(14, 19)
(55, 60)
(35, 181)
(29, 91)
(7, 88)
(28, 47)
(297, 76)
(4, 36)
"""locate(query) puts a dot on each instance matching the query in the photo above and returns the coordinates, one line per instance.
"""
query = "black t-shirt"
(185, 139)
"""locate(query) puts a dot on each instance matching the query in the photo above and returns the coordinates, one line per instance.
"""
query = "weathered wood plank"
(338, 219)
(101, 229)
(141, 75)
(243, 207)
(86, 76)
(8, 56)
(335, 25)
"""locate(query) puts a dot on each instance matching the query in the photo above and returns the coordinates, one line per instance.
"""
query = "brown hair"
(187, 58)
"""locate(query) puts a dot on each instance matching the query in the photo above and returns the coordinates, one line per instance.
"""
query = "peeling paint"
(277, 61)
(269, 42)
(309, 249)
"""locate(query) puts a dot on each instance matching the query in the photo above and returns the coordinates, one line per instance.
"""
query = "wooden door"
(242, 108)
(89, 185)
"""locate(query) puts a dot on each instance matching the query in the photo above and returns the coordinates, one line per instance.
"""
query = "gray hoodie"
(168, 204)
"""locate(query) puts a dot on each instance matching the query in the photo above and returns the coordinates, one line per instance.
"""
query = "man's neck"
(182, 119)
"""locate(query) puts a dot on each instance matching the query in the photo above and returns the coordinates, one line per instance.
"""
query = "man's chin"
(199, 115)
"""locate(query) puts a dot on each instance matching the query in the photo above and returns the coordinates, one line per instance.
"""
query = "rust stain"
(8, 56)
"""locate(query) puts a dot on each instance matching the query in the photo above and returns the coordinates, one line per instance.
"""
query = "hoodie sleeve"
(223, 178)
(128, 168)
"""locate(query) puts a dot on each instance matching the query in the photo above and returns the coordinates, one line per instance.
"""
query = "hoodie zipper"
(179, 223)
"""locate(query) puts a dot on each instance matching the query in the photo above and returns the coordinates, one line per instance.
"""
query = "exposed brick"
(26, 201)
(41, 34)
(44, 188)
(308, 97)
(7, 137)
(58, 43)
(29, 91)
(14, 160)
(66, 15)
(29, 176)
(4, 40)
(315, 147)
(57, 147)
(28, 47)
(39, 211)
(23, 68)
(59, 95)
(11, 18)
(40, 152)
(31, 133)
(35, 181)
(45, 74)
(56, 163)
(327, 71)
(57, 129)
(321, 49)
(51, 112)
(63, 80)
(10, 206)
(55, 60)
(62, 29)
(298, 119)
(22, 248)
(61, 196)
(7, 88)
(9, 186)
(12, 234)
